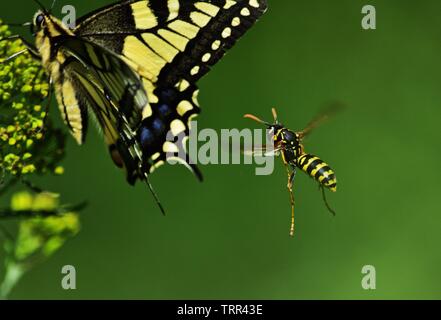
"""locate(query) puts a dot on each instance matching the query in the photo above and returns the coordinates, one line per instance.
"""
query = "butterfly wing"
(95, 79)
(170, 44)
(170, 40)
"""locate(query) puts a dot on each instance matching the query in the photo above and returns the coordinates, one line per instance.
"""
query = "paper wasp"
(289, 144)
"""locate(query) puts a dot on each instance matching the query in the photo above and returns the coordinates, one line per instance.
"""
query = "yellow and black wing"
(170, 44)
(170, 40)
(92, 78)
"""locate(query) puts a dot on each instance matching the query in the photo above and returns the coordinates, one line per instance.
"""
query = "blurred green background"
(227, 238)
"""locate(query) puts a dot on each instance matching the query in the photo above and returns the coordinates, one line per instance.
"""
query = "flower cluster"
(42, 236)
(29, 143)
(24, 88)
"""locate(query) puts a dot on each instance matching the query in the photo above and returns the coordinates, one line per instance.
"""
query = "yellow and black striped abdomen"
(319, 170)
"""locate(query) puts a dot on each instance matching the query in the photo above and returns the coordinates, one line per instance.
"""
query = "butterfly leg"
(29, 48)
(291, 176)
(153, 192)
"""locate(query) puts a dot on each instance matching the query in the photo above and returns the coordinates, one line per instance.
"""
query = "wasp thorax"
(288, 138)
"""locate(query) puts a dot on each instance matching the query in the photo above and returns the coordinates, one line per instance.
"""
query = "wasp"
(288, 144)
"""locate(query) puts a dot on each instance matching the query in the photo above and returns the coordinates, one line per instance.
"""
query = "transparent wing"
(262, 151)
(324, 115)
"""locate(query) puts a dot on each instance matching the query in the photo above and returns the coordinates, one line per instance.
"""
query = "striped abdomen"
(318, 170)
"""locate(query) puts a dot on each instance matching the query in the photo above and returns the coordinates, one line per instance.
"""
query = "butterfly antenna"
(154, 194)
(40, 5)
(326, 201)
(52, 6)
(276, 118)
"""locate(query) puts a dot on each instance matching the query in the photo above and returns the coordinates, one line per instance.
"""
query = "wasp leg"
(326, 201)
(291, 176)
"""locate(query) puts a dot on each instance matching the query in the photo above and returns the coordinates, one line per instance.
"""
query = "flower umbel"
(29, 144)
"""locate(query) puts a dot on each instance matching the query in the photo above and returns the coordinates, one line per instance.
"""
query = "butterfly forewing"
(92, 78)
(167, 41)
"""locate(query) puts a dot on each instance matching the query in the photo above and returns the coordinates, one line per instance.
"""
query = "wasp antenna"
(252, 117)
(326, 201)
(155, 196)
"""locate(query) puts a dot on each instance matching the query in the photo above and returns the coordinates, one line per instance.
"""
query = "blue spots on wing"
(152, 133)
(158, 126)
(165, 110)
(146, 137)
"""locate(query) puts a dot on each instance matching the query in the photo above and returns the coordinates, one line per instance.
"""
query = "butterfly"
(133, 66)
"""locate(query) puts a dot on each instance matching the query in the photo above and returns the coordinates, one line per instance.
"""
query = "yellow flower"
(24, 129)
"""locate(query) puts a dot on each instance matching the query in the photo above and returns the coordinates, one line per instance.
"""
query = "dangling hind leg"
(326, 200)
(291, 176)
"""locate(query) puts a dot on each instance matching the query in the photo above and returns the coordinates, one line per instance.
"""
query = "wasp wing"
(262, 151)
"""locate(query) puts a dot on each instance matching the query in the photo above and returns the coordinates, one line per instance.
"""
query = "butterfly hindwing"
(163, 134)
(91, 78)
(120, 83)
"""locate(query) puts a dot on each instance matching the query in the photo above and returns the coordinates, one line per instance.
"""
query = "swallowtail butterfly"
(134, 65)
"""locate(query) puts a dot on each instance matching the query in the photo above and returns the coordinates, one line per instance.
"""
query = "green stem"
(14, 272)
